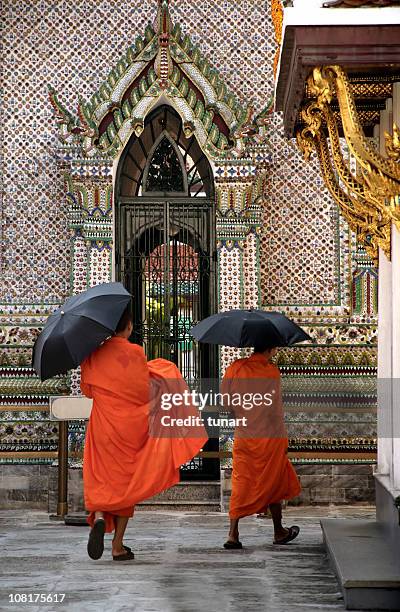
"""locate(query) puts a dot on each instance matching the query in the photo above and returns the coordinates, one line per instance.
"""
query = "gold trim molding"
(367, 197)
(277, 20)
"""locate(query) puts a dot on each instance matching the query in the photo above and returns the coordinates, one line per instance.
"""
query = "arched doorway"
(165, 249)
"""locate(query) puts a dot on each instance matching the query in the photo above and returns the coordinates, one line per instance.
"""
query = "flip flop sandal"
(95, 546)
(127, 557)
(128, 550)
(229, 545)
(293, 533)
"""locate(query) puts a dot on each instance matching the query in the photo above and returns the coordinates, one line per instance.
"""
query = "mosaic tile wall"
(298, 252)
(73, 49)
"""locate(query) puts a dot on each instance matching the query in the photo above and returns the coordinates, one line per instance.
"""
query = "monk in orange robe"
(262, 475)
(127, 456)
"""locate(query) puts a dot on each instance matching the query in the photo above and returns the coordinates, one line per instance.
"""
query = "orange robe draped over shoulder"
(262, 473)
(123, 463)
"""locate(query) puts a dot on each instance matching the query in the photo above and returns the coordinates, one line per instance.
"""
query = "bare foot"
(119, 549)
(234, 536)
(281, 534)
(284, 536)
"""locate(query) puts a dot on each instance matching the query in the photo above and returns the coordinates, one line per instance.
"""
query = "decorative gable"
(164, 63)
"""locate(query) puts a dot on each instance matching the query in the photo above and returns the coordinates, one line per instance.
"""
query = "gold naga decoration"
(368, 198)
(277, 20)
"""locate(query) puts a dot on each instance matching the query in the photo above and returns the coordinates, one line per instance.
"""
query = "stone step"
(366, 562)
(79, 518)
(179, 506)
(187, 491)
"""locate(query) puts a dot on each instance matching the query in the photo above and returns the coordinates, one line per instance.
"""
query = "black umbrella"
(78, 328)
(253, 327)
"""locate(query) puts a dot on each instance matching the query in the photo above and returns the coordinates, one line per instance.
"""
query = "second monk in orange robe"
(262, 475)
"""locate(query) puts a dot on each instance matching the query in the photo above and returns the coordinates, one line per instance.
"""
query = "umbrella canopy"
(253, 327)
(76, 329)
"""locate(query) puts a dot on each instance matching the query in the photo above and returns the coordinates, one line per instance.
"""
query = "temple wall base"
(322, 484)
(35, 486)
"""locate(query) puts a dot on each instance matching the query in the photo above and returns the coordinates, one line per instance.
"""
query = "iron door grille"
(166, 258)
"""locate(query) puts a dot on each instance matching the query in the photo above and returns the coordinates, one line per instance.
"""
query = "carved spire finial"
(163, 64)
(163, 19)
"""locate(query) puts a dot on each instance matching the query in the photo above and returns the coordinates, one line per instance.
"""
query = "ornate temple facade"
(94, 98)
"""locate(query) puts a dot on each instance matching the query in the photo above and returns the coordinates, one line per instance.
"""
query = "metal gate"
(166, 259)
(167, 262)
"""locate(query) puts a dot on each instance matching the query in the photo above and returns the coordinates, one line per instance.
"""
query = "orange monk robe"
(123, 464)
(262, 473)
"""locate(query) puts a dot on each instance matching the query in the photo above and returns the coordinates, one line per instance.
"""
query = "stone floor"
(180, 565)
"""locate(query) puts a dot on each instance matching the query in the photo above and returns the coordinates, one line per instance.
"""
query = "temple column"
(239, 185)
(388, 472)
(384, 364)
(395, 404)
(384, 337)
(395, 467)
(90, 224)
